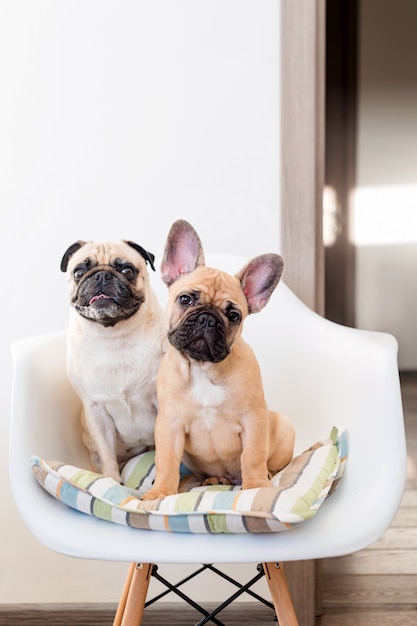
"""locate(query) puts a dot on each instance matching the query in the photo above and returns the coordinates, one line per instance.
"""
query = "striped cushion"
(295, 495)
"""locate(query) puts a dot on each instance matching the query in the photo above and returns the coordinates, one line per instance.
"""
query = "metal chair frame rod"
(212, 615)
(237, 584)
(178, 584)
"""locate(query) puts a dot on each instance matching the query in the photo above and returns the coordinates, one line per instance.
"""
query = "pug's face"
(108, 282)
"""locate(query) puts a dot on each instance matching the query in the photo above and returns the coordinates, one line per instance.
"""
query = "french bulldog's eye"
(233, 316)
(186, 300)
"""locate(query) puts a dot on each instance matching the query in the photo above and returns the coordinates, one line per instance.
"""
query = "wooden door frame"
(342, 26)
(302, 147)
(302, 182)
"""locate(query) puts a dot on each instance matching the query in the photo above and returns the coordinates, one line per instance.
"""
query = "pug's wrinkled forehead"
(105, 253)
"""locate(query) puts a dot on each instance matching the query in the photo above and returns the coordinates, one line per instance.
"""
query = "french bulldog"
(212, 411)
(115, 342)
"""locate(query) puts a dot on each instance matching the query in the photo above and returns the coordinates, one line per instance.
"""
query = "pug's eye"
(128, 272)
(233, 316)
(186, 300)
(79, 273)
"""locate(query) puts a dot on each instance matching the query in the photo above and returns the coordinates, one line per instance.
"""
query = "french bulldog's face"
(206, 310)
(108, 282)
(206, 306)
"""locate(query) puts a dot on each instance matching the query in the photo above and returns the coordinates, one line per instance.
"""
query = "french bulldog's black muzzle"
(106, 297)
(202, 335)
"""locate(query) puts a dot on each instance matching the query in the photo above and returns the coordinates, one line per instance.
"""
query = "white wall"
(115, 119)
(385, 228)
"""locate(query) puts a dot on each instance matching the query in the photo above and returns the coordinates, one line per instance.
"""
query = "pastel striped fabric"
(295, 495)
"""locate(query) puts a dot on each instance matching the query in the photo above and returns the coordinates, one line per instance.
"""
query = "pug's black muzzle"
(107, 298)
(202, 335)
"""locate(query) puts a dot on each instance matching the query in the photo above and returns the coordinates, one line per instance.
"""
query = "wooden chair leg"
(132, 602)
(281, 598)
(123, 598)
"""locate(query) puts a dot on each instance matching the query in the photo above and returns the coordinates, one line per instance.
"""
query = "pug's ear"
(259, 278)
(183, 252)
(68, 254)
(148, 256)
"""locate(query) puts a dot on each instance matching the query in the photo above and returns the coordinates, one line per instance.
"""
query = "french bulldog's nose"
(207, 320)
(103, 277)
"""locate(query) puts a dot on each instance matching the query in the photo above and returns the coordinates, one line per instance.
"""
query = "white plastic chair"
(317, 372)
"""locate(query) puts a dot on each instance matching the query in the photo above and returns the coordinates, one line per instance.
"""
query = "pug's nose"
(103, 277)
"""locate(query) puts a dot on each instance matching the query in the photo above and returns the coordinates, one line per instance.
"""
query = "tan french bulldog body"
(115, 343)
(212, 411)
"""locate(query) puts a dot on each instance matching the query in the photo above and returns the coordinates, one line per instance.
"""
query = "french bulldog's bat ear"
(183, 252)
(259, 278)
(148, 256)
(68, 254)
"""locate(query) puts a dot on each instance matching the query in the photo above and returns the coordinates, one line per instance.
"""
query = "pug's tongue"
(101, 296)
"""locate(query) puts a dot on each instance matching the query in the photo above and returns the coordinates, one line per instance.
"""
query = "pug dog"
(212, 411)
(115, 342)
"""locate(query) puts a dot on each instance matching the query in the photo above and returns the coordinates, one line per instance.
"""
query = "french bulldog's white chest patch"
(207, 395)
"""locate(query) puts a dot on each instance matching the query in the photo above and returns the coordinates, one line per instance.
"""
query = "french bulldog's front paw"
(156, 494)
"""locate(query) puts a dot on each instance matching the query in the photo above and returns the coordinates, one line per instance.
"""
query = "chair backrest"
(45, 408)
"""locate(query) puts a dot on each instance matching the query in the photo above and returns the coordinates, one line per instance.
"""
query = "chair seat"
(296, 494)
